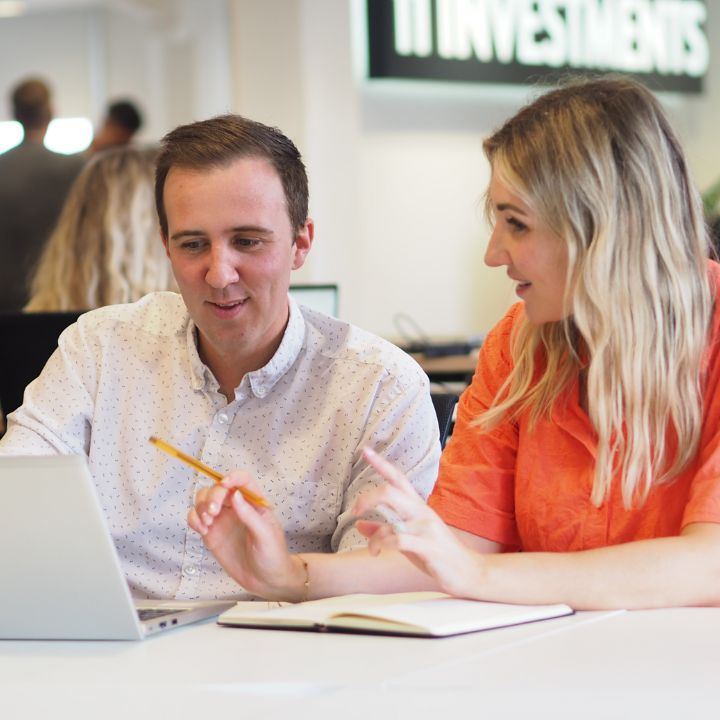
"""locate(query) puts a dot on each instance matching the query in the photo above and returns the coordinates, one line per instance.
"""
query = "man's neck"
(35, 136)
(230, 370)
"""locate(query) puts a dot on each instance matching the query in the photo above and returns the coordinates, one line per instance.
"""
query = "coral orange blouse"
(531, 490)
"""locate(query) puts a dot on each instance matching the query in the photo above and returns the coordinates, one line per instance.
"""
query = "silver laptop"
(60, 576)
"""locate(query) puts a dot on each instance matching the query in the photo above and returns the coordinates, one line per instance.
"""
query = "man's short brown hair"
(217, 142)
(31, 104)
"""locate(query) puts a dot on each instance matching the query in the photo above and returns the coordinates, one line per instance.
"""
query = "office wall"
(29, 46)
(397, 171)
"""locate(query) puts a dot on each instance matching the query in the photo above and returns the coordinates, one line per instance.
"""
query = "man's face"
(231, 247)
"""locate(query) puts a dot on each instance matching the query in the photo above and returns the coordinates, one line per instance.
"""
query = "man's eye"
(191, 244)
(247, 243)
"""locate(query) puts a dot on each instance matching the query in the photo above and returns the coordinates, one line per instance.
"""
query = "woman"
(106, 246)
(589, 438)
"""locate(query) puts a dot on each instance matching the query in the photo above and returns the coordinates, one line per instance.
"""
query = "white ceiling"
(135, 7)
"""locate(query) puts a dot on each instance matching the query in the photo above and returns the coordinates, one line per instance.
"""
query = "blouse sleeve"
(475, 487)
(703, 503)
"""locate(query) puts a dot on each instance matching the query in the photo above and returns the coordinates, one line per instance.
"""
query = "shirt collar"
(263, 379)
(200, 375)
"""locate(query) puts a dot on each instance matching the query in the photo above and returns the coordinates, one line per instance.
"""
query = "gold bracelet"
(306, 584)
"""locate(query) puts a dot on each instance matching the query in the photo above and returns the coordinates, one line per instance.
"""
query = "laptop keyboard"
(150, 613)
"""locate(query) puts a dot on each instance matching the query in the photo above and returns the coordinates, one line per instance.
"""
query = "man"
(232, 371)
(120, 124)
(33, 185)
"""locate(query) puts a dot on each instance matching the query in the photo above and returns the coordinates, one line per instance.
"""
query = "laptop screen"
(323, 298)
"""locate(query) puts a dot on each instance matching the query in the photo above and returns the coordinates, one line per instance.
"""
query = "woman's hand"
(247, 540)
(418, 533)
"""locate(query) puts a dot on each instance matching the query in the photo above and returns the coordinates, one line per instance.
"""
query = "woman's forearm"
(662, 572)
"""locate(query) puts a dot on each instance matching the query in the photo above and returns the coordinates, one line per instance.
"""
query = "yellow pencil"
(249, 495)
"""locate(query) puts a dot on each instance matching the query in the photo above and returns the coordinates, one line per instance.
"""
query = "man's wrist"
(306, 578)
(299, 590)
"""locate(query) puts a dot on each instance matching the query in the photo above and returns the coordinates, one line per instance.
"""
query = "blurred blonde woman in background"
(106, 246)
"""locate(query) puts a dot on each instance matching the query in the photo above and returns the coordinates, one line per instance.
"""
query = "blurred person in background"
(121, 122)
(33, 184)
(106, 246)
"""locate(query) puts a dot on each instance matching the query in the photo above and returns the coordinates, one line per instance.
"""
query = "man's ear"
(303, 242)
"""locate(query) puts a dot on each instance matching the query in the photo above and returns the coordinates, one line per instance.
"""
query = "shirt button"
(260, 392)
(223, 418)
(191, 570)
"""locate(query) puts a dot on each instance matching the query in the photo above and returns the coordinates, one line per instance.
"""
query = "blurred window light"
(69, 135)
(11, 134)
(64, 135)
(10, 8)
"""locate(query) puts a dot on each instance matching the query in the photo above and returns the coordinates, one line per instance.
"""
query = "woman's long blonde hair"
(600, 164)
(106, 247)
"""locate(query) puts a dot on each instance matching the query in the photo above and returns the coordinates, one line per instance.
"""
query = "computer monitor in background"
(323, 298)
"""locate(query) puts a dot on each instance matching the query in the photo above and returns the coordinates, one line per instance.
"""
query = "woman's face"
(536, 258)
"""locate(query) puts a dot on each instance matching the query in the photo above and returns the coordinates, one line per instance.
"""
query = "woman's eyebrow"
(509, 206)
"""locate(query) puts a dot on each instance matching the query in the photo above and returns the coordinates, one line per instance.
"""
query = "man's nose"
(222, 270)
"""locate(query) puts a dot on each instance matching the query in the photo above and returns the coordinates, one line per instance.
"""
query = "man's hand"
(247, 540)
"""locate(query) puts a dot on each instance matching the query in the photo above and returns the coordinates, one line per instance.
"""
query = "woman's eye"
(516, 224)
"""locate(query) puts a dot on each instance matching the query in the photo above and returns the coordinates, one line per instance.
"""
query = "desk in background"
(448, 368)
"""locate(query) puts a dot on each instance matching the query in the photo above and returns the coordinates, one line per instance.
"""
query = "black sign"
(661, 42)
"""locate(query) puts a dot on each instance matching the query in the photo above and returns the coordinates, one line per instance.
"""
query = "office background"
(396, 168)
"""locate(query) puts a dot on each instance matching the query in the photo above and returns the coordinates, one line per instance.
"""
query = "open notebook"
(61, 577)
(419, 614)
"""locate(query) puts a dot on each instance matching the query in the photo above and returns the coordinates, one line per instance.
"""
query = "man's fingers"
(195, 523)
(258, 520)
(240, 478)
(210, 500)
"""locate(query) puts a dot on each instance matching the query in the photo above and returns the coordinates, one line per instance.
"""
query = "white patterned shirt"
(298, 425)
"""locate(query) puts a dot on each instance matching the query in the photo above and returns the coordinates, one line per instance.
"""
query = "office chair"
(444, 404)
(26, 342)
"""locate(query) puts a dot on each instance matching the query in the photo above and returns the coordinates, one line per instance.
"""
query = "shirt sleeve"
(703, 503)
(56, 414)
(402, 426)
(475, 487)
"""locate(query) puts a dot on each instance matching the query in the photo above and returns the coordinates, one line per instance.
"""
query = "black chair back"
(27, 340)
(444, 404)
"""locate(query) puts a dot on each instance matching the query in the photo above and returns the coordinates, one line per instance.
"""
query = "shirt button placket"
(192, 570)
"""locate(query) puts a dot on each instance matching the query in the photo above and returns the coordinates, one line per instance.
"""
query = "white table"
(658, 664)
(662, 664)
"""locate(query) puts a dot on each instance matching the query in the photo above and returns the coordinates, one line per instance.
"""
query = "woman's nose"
(495, 254)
